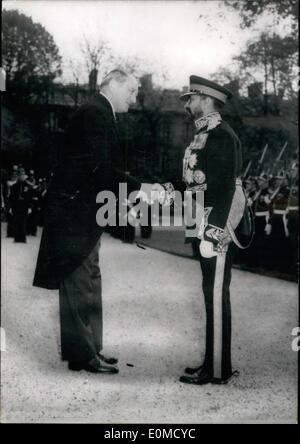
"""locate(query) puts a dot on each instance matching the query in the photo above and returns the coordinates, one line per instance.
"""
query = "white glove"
(151, 193)
(268, 229)
(206, 249)
(133, 217)
(158, 193)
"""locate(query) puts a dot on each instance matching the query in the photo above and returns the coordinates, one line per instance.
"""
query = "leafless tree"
(97, 57)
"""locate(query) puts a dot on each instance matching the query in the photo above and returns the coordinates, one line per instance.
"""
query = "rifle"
(263, 154)
(279, 156)
(260, 162)
(247, 170)
(274, 193)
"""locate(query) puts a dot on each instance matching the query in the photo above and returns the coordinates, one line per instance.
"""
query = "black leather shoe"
(199, 378)
(192, 370)
(95, 365)
(108, 359)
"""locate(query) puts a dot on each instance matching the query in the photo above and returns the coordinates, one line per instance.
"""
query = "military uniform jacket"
(92, 161)
(212, 163)
(280, 202)
(293, 200)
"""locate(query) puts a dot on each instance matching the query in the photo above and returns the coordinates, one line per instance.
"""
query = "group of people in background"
(274, 203)
(23, 198)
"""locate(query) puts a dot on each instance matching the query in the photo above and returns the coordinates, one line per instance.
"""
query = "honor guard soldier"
(262, 207)
(212, 165)
(279, 226)
(31, 178)
(292, 225)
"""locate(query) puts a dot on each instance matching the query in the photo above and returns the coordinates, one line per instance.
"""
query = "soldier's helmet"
(202, 86)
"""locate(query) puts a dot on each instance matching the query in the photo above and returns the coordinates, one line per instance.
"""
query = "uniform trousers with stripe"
(216, 277)
(81, 310)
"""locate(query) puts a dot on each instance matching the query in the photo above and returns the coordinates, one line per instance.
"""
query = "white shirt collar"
(112, 107)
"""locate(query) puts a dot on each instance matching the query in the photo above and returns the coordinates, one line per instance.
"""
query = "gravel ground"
(154, 320)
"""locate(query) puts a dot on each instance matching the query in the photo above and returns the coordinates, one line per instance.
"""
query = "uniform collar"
(112, 107)
(209, 121)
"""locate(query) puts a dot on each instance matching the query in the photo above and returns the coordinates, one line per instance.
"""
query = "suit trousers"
(216, 277)
(81, 310)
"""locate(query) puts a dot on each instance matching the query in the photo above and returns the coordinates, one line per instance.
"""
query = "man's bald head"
(121, 89)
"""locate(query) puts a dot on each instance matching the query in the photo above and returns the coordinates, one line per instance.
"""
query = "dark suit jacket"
(91, 161)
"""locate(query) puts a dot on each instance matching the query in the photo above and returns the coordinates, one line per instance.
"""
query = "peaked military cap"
(199, 85)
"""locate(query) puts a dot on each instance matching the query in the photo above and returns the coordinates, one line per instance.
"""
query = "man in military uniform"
(31, 178)
(261, 204)
(279, 233)
(212, 165)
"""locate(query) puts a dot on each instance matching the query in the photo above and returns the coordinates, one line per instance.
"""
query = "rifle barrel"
(281, 152)
(263, 154)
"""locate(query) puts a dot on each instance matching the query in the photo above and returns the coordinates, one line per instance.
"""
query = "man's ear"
(113, 84)
(209, 100)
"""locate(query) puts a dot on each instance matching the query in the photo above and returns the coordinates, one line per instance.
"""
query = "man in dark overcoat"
(92, 161)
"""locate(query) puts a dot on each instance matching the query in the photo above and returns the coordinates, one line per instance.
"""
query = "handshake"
(151, 193)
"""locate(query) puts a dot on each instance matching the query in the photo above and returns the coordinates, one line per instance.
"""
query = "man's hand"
(151, 193)
(225, 238)
(145, 192)
(208, 249)
(133, 218)
(163, 194)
